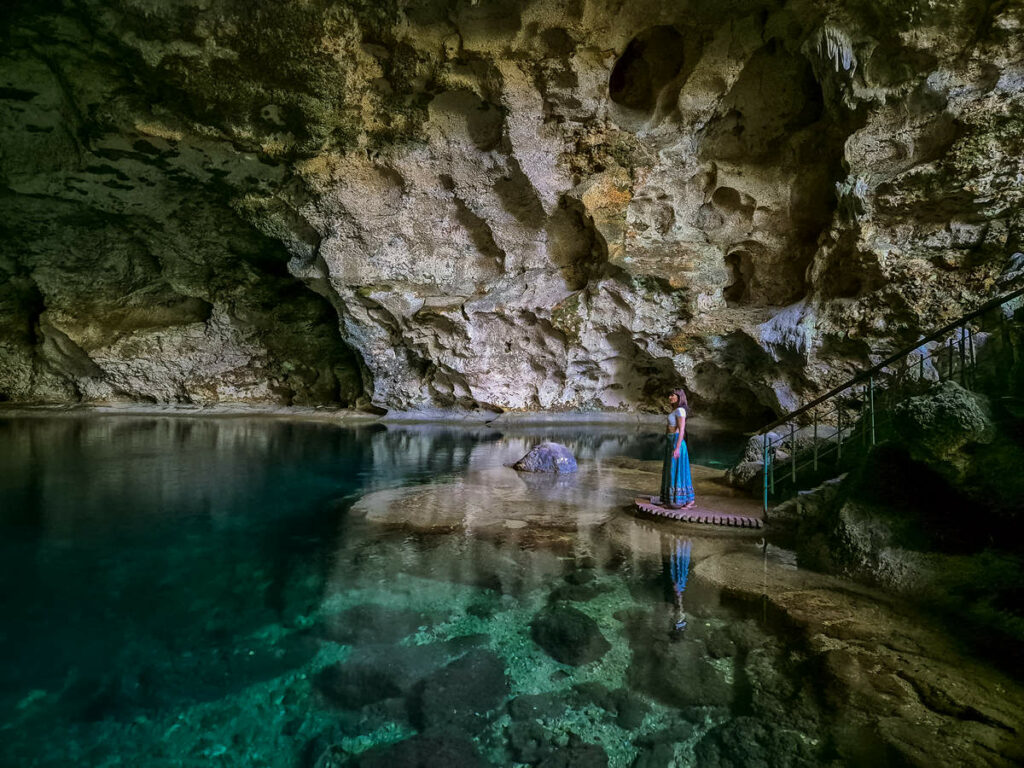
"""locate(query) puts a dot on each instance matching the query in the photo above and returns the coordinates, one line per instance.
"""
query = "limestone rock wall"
(496, 205)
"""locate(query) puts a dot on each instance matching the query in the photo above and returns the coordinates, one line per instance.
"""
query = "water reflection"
(680, 571)
(192, 576)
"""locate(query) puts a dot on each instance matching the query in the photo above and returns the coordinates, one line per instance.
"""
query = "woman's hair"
(681, 395)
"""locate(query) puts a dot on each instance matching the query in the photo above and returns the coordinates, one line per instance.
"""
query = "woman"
(676, 484)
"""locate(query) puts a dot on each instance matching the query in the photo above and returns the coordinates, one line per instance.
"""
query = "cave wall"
(493, 206)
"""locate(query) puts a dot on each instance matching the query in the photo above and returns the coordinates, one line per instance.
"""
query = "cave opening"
(741, 271)
(782, 150)
(651, 61)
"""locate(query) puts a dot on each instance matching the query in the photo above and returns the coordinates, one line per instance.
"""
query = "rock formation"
(509, 205)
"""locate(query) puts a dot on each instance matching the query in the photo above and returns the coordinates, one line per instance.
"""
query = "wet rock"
(595, 693)
(503, 502)
(378, 672)
(483, 609)
(748, 472)
(805, 514)
(548, 457)
(655, 756)
(747, 475)
(872, 655)
(462, 694)
(657, 749)
(372, 623)
(577, 593)
(747, 634)
(433, 749)
(753, 451)
(581, 576)
(529, 742)
(529, 707)
(680, 675)
(324, 750)
(576, 755)
(720, 645)
(354, 685)
(753, 743)
(628, 708)
(568, 635)
(937, 427)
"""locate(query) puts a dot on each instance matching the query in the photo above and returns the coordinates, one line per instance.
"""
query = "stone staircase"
(833, 433)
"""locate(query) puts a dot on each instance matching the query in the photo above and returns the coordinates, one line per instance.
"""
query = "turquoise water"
(187, 591)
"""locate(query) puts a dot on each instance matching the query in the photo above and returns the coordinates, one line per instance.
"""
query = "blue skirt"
(676, 483)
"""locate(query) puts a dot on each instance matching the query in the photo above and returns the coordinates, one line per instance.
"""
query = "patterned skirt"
(676, 483)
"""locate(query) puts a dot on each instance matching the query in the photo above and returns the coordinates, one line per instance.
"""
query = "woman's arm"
(680, 427)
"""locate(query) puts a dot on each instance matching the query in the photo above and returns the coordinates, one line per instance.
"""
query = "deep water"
(194, 591)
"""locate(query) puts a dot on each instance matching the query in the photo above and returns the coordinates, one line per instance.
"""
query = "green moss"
(985, 142)
(628, 151)
(567, 317)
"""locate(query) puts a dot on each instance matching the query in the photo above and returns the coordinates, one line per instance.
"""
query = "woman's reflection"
(679, 567)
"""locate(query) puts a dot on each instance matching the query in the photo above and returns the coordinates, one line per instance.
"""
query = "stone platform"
(651, 505)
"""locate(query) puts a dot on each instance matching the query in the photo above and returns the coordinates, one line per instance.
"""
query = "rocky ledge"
(899, 682)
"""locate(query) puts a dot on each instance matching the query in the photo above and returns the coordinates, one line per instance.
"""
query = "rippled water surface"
(187, 591)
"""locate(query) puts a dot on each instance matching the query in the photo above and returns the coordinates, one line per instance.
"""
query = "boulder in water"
(548, 457)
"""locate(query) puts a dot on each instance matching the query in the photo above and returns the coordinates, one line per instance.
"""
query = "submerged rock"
(539, 706)
(568, 635)
(529, 742)
(756, 743)
(576, 755)
(461, 694)
(371, 623)
(433, 749)
(548, 457)
(373, 673)
(679, 674)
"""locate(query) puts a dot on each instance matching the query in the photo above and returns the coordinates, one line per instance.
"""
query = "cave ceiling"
(495, 206)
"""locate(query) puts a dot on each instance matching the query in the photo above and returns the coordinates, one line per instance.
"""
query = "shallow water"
(186, 591)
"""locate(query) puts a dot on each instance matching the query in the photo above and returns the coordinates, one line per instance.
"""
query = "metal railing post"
(863, 422)
(792, 451)
(815, 439)
(765, 505)
(839, 432)
(974, 360)
(871, 406)
(963, 357)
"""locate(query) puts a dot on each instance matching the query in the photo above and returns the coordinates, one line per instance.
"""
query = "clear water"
(185, 591)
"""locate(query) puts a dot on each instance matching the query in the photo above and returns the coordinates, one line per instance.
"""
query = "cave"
(289, 287)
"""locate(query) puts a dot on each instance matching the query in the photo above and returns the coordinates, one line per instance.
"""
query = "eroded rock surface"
(495, 206)
(901, 683)
(548, 458)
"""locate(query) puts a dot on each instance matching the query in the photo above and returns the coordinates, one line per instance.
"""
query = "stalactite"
(835, 47)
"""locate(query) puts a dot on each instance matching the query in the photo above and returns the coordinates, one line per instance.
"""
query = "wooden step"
(649, 506)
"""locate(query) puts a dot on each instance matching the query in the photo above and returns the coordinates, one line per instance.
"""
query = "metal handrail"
(958, 350)
(967, 339)
(865, 375)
